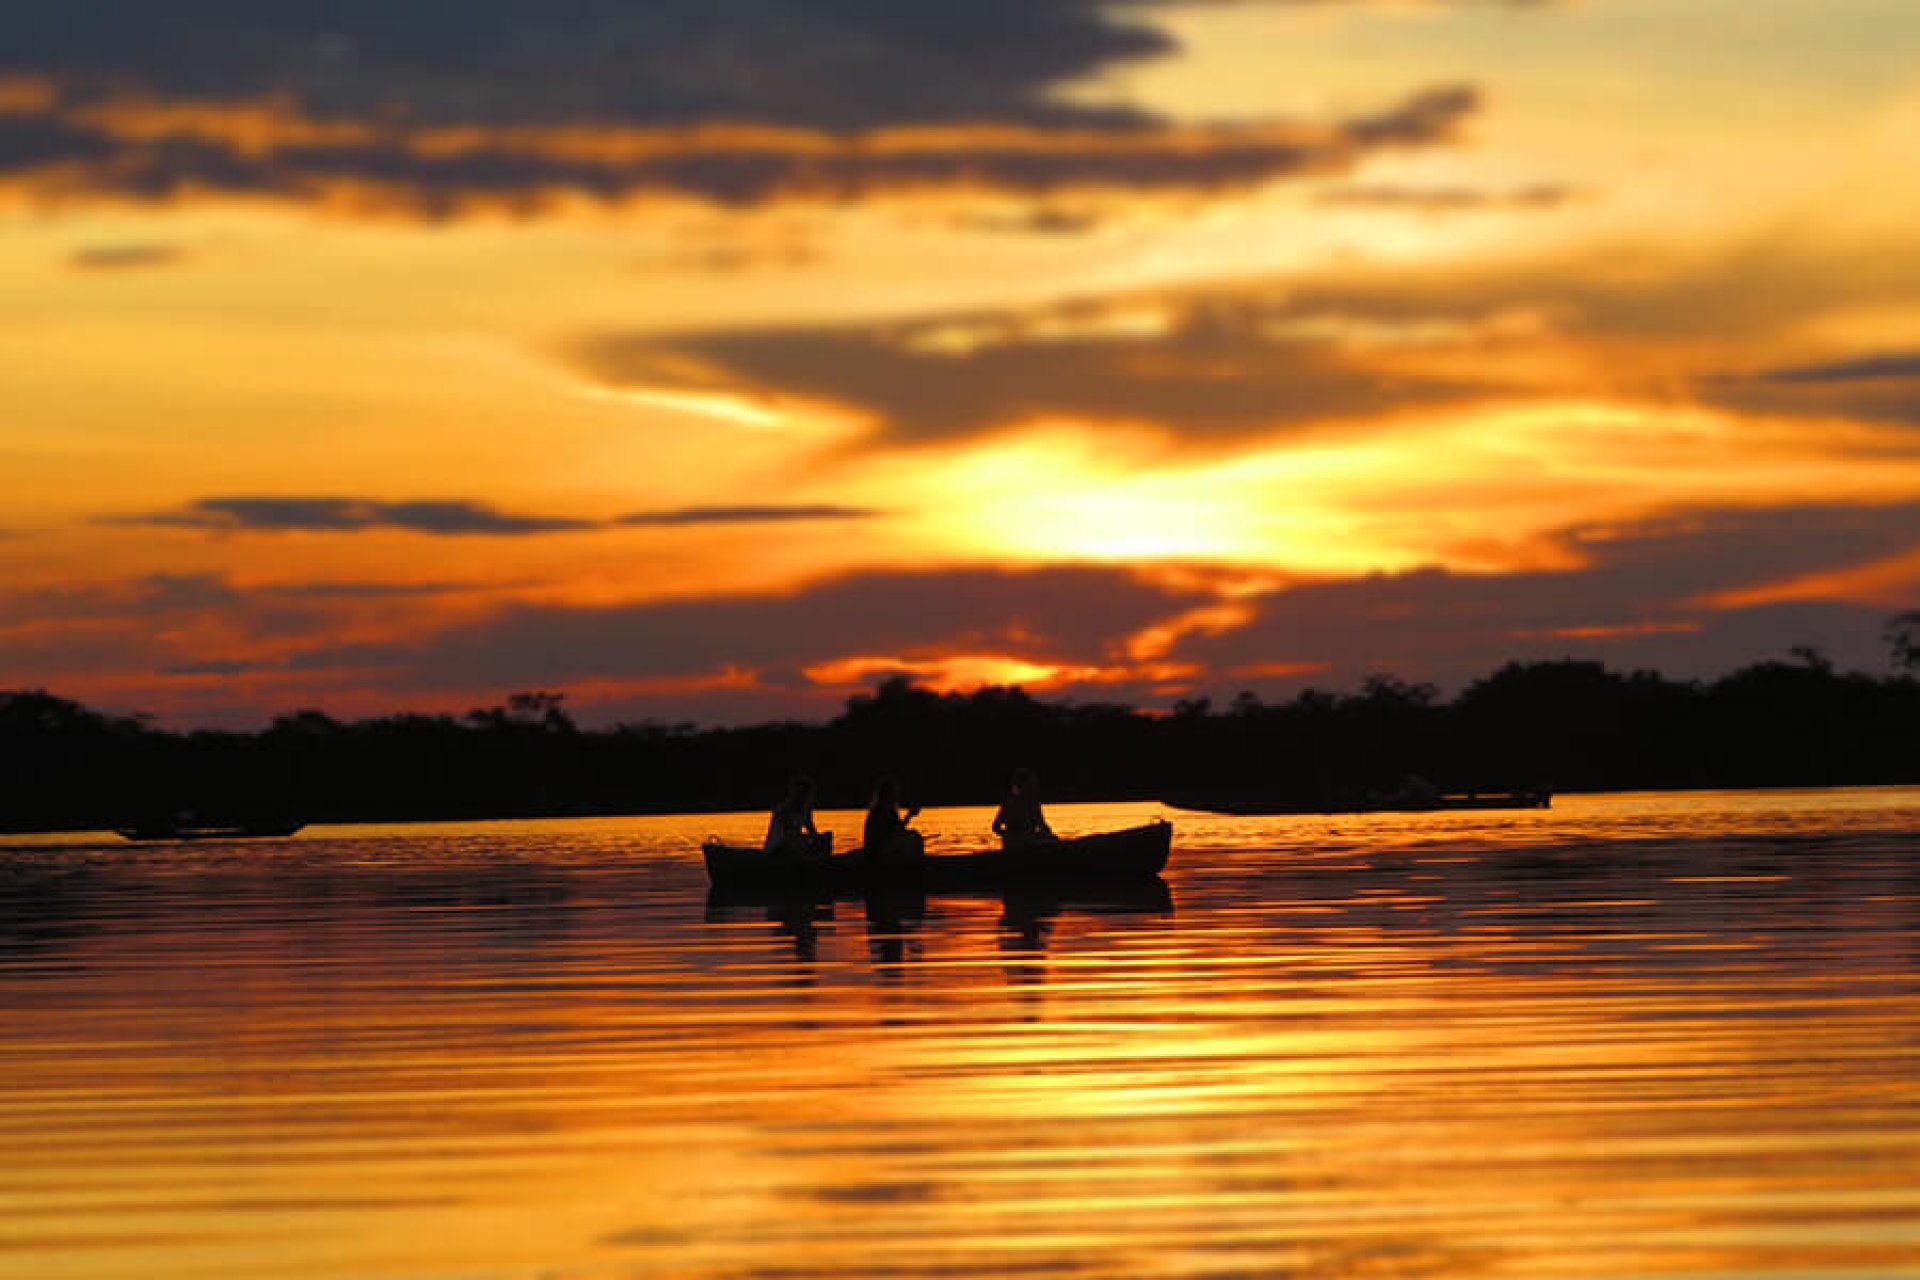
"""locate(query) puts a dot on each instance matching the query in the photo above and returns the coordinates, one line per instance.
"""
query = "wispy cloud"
(1079, 616)
(453, 517)
(401, 110)
(744, 515)
(1452, 199)
(1682, 591)
(123, 257)
(215, 667)
(443, 517)
(145, 150)
(1199, 368)
(1902, 366)
(1879, 386)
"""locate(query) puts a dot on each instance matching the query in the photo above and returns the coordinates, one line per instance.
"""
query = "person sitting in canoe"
(887, 835)
(1020, 822)
(791, 829)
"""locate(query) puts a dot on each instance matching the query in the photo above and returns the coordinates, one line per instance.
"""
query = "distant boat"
(1132, 854)
(1243, 807)
(156, 831)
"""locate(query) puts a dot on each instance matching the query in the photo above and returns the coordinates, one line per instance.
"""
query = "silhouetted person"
(1020, 821)
(887, 836)
(791, 829)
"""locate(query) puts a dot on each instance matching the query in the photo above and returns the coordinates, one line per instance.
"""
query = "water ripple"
(1650, 1036)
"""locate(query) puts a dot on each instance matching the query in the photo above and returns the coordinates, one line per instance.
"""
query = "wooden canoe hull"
(1135, 853)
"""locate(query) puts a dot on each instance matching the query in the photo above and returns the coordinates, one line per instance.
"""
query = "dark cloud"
(376, 590)
(1354, 343)
(1208, 369)
(171, 593)
(160, 607)
(45, 656)
(503, 104)
(1675, 593)
(151, 595)
(839, 65)
(1691, 554)
(1648, 596)
(745, 515)
(447, 517)
(1643, 599)
(48, 633)
(1881, 387)
(143, 151)
(842, 66)
(120, 257)
(1428, 116)
(1337, 637)
(215, 667)
(1678, 330)
(196, 629)
(1901, 366)
(1075, 615)
(159, 621)
(350, 515)
(1615, 321)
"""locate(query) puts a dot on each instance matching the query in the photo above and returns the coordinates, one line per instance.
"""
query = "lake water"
(1631, 1036)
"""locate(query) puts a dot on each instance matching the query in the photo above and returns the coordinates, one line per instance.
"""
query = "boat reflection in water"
(893, 913)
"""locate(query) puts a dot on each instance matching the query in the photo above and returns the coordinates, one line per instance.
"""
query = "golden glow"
(946, 674)
(1405, 494)
(1891, 582)
(739, 410)
(1459, 376)
(1158, 641)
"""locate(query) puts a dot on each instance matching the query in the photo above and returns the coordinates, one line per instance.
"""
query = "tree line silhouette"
(1571, 725)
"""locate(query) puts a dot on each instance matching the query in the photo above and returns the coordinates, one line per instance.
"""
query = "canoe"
(1258, 808)
(734, 865)
(1132, 854)
(230, 831)
(730, 864)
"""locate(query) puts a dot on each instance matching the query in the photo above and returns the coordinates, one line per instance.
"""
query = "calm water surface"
(1634, 1035)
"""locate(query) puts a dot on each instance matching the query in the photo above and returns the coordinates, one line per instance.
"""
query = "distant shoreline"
(1566, 727)
(1175, 813)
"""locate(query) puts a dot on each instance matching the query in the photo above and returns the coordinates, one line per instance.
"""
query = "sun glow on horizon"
(305, 373)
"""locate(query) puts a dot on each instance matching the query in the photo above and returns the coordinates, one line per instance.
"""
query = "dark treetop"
(1569, 725)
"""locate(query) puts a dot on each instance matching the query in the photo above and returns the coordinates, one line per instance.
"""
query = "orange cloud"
(1892, 582)
(140, 147)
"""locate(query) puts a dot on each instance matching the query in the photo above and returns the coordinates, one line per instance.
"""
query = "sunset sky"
(714, 359)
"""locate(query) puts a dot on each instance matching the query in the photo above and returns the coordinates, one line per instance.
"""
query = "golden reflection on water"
(1629, 1036)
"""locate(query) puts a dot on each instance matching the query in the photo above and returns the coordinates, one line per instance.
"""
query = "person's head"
(886, 792)
(800, 788)
(1023, 782)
